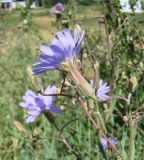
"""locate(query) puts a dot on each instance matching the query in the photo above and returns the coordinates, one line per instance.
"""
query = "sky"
(126, 7)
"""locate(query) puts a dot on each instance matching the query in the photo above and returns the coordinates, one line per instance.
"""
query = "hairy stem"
(132, 140)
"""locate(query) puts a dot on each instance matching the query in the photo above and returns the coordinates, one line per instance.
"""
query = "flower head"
(37, 104)
(102, 91)
(59, 7)
(105, 143)
(63, 47)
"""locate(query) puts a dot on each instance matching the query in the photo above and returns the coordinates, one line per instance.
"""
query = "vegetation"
(113, 50)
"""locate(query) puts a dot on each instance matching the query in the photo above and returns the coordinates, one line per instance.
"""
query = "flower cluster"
(38, 104)
(58, 8)
(60, 55)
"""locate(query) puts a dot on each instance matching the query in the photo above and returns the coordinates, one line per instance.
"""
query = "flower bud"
(58, 90)
(68, 84)
(129, 62)
(62, 107)
(20, 128)
(97, 76)
(141, 65)
(35, 133)
(133, 83)
(84, 55)
(69, 14)
(25, 22)
(78, 27)
(33, 79)
(96, 65)
(125, 118)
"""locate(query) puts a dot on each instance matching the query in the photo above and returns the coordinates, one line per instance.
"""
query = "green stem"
(99, 117)
(102, 124)
(132, 140)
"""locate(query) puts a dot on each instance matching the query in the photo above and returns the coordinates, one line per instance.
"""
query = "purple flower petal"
(56, 42)
(41, 70)
(30, 119)
(37, 104)
(102, 91)
(63, 48)
(49, 99)
(80, 43)
(59, 54)
(64, 41)
(56, 110)
(69, 37)
(76, 35)
(45, 49)
(34, 113)
(105, 143)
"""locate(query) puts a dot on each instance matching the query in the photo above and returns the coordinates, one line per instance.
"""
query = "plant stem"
(100, 132)
(70, 149)
(101, 119)
(132, 139)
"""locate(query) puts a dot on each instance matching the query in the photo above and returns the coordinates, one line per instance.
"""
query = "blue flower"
(38, 104)
(102, 91)
(59, 7)
(63, 47)
(105, 143)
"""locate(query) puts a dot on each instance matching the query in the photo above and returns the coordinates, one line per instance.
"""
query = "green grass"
(11, 19)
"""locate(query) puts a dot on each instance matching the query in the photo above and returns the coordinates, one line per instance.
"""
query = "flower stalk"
(132, 139)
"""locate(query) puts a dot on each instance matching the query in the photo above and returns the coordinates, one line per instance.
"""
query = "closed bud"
(25, 22)
(129, 62)
(33, 79)
(78, 62)
(58, 90)
(96, 75)
(133, 83)
(124, 75)
(68, 84)
(20, 128)
(35, 133)
(141, 65)
(125, 118)
(73, 101)
(84, 55)
(96, 66)
(62, 107)
(69, 14)
(78, 27)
